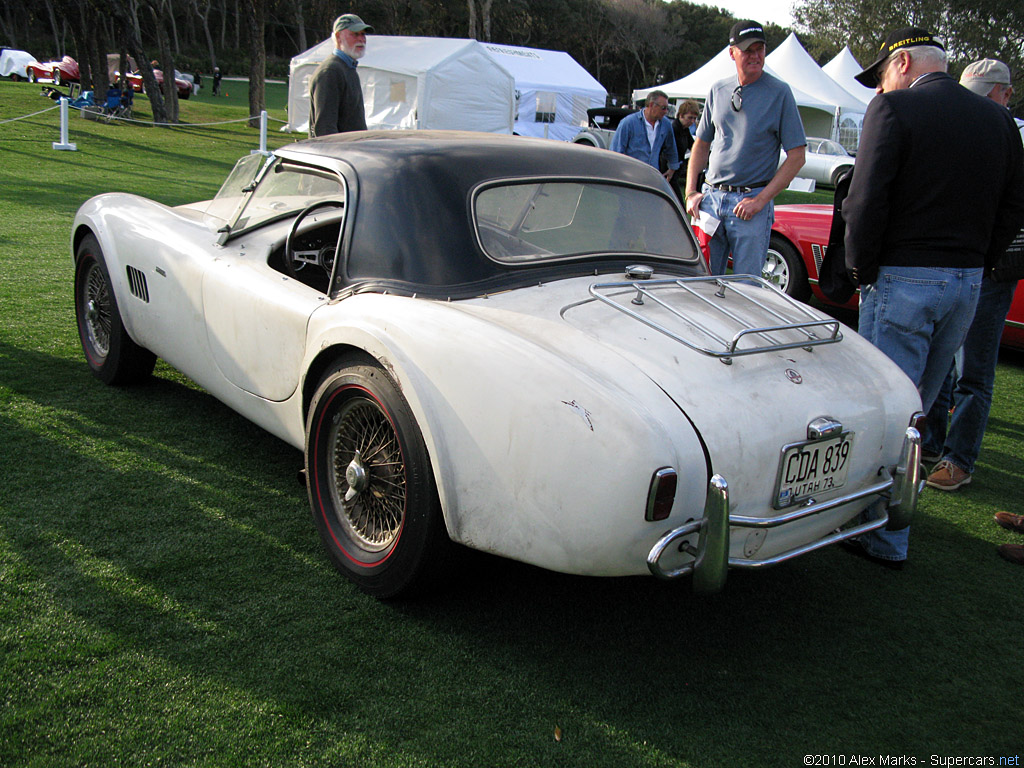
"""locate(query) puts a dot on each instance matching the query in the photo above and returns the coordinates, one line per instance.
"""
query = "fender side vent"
(137, 284)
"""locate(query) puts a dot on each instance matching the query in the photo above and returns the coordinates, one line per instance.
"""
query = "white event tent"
(816, 114)
(798, 69)
(417, 82)
(554, 92)
(844, 69)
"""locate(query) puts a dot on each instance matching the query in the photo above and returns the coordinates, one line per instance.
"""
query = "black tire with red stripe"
(371, 488)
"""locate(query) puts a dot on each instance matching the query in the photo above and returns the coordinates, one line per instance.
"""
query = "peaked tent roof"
(843, 68)
(795, 65)
(697, 84)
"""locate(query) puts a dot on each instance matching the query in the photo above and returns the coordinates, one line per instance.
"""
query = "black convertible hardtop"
(412, 229)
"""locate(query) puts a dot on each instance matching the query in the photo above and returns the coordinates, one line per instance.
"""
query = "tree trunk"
(85, 40)
(301, 21)
(7, 28)
(56, 31)
(471, 7)
(255, 16)
(170, 92)
(98, 42)
(204, 17)
(223, 23)
(127, 16)
(485, 11)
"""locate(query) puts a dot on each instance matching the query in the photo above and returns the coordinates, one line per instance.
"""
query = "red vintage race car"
(798, 243)
(57, 72)
(183, 87)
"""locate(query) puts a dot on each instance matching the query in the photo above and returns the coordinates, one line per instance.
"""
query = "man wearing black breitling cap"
(933, 202)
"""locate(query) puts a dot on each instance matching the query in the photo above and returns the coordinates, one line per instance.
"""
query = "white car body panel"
(544, 412)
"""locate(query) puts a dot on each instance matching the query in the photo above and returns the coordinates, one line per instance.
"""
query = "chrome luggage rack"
(721, 299)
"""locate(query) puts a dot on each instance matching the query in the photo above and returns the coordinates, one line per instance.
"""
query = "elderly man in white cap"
(970, 393)
(335, 94)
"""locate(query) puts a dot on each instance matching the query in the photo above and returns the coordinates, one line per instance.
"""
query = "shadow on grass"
(170, 532)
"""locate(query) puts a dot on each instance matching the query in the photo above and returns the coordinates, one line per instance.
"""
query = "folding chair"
(115, 107)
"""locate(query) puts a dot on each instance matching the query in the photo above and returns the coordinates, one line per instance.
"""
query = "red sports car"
(183, 87)
(59, 72)
(798, 243)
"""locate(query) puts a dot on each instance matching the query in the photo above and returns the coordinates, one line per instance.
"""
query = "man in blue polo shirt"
(747, 119)
(643, 134)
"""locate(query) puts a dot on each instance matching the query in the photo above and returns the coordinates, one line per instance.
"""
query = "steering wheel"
(296, 260)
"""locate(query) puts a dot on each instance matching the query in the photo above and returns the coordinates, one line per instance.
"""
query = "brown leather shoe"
(947, 476)
(1011, 521)
(1014, 553)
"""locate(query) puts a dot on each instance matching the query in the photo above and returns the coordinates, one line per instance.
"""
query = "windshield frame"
(231, 229)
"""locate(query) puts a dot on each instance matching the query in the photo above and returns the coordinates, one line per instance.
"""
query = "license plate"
(813, 467)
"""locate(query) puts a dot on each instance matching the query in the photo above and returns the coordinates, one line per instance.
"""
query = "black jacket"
(939, 181)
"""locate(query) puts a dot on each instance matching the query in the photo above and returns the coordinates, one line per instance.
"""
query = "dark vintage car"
(601, 125)
(507, 343)
(798, 244)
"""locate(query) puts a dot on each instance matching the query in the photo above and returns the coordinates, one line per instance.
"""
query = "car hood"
(745, 410)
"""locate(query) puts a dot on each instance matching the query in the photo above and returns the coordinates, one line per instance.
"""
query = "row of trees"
(624, 43)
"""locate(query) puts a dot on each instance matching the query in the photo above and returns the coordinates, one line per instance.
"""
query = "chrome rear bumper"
(711, 560)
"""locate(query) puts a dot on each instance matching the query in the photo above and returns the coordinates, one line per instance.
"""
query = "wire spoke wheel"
(369, 487)
(112, 354)
(97, 309)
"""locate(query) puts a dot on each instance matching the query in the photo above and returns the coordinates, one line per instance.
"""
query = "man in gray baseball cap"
(990, 78)
(335, 93)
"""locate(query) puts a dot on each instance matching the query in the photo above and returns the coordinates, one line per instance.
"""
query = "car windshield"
(233, 191)
(252, 195)
(543, 221)
(288, 188)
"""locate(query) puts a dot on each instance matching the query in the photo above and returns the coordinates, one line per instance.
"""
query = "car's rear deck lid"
(724, 317)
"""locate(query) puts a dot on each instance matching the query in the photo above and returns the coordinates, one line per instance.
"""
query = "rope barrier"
(195, 125)
(149, 122)
(41, 112)
(101, 113)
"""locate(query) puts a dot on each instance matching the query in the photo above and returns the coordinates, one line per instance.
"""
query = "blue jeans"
(969, 391)
(746, 240)
(919, 317)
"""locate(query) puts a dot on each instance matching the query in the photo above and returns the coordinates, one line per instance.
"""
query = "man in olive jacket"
(335, 93)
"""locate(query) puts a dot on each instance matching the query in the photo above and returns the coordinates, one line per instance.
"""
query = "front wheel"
(371, 488)
(112, 354)
(840, 173)
(784, 269)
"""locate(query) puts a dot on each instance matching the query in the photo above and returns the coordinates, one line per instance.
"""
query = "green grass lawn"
(164, 599)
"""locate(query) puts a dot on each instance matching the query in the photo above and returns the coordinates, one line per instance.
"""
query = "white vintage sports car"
(508, 343)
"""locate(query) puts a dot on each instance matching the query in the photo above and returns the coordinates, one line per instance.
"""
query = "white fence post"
(263, 136)
(63, 143)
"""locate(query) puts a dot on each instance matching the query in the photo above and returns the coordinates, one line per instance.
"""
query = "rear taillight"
(661, 494)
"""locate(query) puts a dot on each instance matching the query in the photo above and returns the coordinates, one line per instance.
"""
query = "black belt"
(744, 190)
